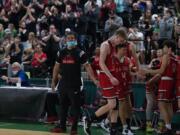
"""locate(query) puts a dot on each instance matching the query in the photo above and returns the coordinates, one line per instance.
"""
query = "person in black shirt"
(16, 51)
(68, 64)
(52, 46)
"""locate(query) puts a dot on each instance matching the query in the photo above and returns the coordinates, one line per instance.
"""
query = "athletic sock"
(168, 126)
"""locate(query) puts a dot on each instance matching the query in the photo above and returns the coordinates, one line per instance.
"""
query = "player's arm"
(134, 55)
(56, 71)
(55, 75)
(103, 54)
(162, 68)
(91, 73)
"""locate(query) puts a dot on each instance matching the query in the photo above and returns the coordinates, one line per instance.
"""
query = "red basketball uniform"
(95, 65)
(178, 78)
(108, 89)
(123, 75)
(132, 62)
(167, 82)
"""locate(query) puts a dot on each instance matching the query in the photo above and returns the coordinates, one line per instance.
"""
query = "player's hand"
(114, 81)
(142, 72)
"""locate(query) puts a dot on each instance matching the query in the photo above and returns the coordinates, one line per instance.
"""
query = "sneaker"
(51, 120)
(73, 132)
(149, 127)
(105, 126)
(159, 127)
(127, 132)
(87, 125)
(163, 130)
(58, 129)
(178, 111)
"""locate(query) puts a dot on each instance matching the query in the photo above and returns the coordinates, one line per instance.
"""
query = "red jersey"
(123, 75)
(178, 68)
(166, 84)
(110, 58)
(95, 65)
(109, 91)
(170, 70)
(122, 71)
(178, 78)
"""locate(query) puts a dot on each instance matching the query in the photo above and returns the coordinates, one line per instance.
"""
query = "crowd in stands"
(32, 31)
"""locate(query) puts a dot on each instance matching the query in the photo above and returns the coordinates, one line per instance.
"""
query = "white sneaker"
(105, 126)
(127, 132)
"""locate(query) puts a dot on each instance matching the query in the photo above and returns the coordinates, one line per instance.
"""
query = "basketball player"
(167, 72)
(107, 81)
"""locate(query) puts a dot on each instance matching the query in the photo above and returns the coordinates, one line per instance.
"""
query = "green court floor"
(47, 127)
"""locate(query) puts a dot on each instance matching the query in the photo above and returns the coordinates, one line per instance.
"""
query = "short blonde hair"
(121, 32)
(16, 64)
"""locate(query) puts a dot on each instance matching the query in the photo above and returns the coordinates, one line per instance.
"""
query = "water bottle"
(47, 80)
(18, 84)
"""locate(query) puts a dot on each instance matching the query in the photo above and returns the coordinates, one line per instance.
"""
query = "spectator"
(166, 25)
(92, 12)
(54, 18)
(3, 18)
(39, 57)
(123, 9)
(68, 18)
(38, 6)
(1, 32)
(12, 29)
(52, 46)
(31, 42)
(136, 14)
(18, 76)
(137, 38)
(43, 19)
(16, 51)
(26, 60)
(30, 20)
(107, 6)
(23, 33)
(113, 23)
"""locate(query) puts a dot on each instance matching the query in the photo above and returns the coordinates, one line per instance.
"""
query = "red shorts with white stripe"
(178, 88)
(108, 90)
(123, 91)
(166, 90)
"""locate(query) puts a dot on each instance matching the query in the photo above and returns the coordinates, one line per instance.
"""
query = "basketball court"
(24, 132)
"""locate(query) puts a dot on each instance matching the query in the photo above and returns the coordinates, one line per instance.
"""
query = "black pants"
(51, 103)
(69, 97)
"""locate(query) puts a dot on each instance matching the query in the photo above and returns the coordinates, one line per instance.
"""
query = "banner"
(22, 103)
